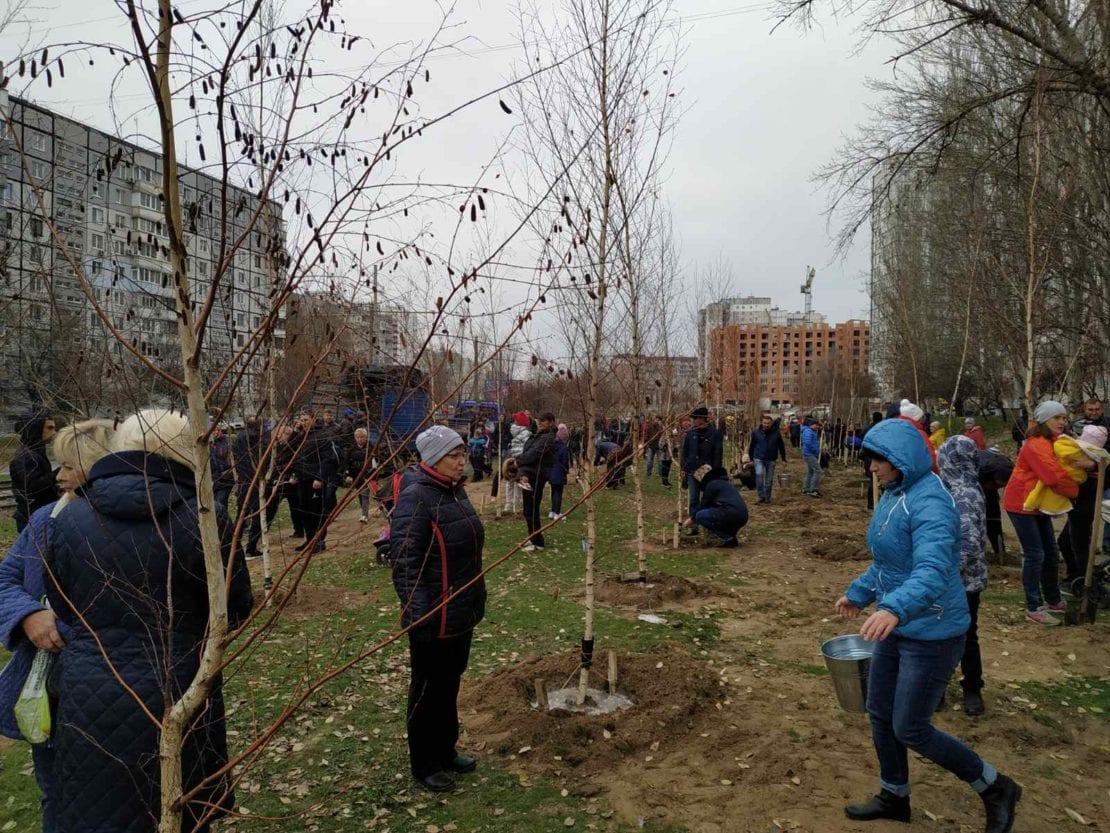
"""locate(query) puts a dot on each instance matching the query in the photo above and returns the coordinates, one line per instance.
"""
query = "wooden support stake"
(541, 694)
(1088, 608)
(612, 672)
(674, 544)
(482, 506)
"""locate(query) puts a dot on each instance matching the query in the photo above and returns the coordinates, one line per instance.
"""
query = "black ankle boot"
(1000, 800)
(885, 805)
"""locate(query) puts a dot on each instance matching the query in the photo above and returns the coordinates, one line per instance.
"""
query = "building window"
(36, 227)
(119, 196)
(36, 141)
(40, 171)
(96, 241)
(96, 215)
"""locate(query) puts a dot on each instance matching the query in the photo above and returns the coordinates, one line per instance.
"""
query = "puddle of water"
(597, 701)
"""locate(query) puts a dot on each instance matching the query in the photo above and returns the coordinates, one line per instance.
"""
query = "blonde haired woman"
(26, 624)
(129, 583)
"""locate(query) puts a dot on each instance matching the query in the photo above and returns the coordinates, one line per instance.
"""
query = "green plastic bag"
(32, 709)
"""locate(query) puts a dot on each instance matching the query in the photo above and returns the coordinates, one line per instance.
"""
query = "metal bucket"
(848, 659)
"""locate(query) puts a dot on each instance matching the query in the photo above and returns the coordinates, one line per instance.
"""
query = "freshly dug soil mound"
(669, 690)
(840, 549)
(657, 592)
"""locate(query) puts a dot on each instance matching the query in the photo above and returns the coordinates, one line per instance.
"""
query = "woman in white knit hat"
(436, 541)
(1037, 462)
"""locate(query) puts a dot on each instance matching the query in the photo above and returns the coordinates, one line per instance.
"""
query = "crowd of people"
(88, 583)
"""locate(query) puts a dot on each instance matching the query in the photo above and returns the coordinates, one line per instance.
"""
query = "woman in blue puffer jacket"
(919, 628)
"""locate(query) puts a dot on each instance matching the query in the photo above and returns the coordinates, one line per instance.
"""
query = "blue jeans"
(557, 497)
(908, 677)
(42, 757)
(764, 477)
(649, 456)
(1041, 563)
(721, 523)
(694, 489)
(812, 480)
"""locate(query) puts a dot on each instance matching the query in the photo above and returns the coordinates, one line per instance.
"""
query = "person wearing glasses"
(436, 541)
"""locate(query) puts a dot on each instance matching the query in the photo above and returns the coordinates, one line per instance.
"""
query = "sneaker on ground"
(1041, 617)
(529, 547)
(1059, 607)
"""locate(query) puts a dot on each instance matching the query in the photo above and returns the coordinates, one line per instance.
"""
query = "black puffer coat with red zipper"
(436, 541)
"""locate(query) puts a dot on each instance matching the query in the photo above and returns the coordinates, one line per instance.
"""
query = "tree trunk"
(595, 356)
(181, 712)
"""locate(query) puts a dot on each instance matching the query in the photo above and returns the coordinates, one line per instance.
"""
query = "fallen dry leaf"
(1074, 816)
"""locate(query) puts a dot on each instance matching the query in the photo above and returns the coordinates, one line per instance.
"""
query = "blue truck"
(394, 399)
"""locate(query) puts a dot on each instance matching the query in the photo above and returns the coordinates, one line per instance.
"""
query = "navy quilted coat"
(436, 541)
(114, 555)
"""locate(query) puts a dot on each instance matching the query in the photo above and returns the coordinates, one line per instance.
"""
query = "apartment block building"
(745, 311)
(784, 364)
(103, 196)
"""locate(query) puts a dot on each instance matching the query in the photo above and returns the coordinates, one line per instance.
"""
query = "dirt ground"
(747, 736)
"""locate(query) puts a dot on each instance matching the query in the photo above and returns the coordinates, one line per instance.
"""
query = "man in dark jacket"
(702, 446)
(436, 542)
(284, 485)
(765, 448)
(358, 465)
(534, 465)
(246, 455)
(722, 511)
(316, 463)
(32, 477)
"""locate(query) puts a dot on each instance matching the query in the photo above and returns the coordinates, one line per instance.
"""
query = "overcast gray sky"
(763, 112)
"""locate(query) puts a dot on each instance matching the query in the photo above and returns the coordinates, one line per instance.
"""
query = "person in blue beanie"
(919, 628)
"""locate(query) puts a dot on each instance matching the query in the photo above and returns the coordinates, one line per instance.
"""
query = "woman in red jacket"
(1037, 462)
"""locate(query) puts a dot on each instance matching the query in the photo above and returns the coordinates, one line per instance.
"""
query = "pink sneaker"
(1059, 607)
(1041, 617)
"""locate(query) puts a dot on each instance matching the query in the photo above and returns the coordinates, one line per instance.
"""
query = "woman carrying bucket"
(918, 628)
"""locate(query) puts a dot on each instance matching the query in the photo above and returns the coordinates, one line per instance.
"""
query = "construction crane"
(807, 290)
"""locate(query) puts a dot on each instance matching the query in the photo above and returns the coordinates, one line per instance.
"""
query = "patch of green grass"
(7, 533)
(20, 794)
(1072, 695)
